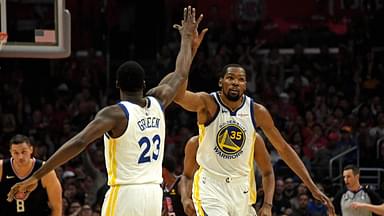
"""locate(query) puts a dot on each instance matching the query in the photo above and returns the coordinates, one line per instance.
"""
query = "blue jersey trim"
(253, 114)
(125, 110)
(216, 113)
(233, 113)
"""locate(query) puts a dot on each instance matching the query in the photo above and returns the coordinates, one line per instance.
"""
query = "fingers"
(190, 16)
(327, 202)
(185, 14)
(11, 193)
(199, 19)
(176, 26)
(331, 209)
(194, 15)
(202, 34)
(17, 192)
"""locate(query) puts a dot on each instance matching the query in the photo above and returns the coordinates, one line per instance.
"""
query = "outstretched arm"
(197, 38)
(190, 166)
(289, 156)
(377, 209)
(268, 177)
(167, 89)
(105, 120)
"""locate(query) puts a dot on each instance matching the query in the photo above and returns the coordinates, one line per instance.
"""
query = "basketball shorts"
(252, 211)
(133, 200)
(216, 195)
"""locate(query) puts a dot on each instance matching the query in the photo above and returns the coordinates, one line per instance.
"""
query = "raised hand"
(22, 189)
(196, 37)
(265, 210)
(188, 24)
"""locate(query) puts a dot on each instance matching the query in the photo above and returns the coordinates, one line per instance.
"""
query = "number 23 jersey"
(136, 156)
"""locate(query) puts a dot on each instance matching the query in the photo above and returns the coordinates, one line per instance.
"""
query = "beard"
(232, 97)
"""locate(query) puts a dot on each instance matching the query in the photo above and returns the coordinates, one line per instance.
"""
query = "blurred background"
(317, 65)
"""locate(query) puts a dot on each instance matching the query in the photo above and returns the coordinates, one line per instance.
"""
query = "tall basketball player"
(227, 122)
(134, 133)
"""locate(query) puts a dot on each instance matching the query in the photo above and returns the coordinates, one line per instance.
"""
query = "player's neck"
(23, 170)
(233, 105)
(133, 97)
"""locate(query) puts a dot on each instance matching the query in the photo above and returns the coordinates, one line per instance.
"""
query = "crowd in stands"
(322, 103)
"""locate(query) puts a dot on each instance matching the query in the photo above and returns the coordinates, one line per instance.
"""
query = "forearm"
(66, 152)
(268, 180)
(293, 161)
(377, 209)
(184, 58)
(185, 187)
(181, 91)
(56, 211)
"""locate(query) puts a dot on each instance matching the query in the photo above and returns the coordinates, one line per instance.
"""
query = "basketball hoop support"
(3, 39)
(61, 50)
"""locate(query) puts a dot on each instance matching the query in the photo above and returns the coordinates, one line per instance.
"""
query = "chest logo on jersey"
(230, 141)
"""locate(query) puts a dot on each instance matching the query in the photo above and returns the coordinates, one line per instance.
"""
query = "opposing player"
(263, 161)
(227, 122)
(134, 133)
(45, 200)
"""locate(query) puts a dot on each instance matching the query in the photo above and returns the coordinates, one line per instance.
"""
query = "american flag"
(45, 36)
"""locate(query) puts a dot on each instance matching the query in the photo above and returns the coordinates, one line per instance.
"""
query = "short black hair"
(19, 139)
(225, 69)
(130, 76)
(355, 169)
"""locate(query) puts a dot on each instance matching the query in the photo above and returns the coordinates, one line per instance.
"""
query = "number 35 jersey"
(227, 142)
(136, 156)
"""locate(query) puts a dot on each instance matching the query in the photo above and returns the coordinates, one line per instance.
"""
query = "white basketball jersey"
(227, 142)
(136, 156)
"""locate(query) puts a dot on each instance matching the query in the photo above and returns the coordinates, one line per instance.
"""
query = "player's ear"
(117, 84)
(144, 86)
(220, 82)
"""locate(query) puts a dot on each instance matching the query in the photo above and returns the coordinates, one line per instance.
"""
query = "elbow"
(179, 98)
(187, 176)
(269, 174)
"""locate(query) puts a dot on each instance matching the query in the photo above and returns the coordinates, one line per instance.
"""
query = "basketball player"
(227, 120)
(171, 189)
(134, 133)
(45, 200)
(261, 156)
